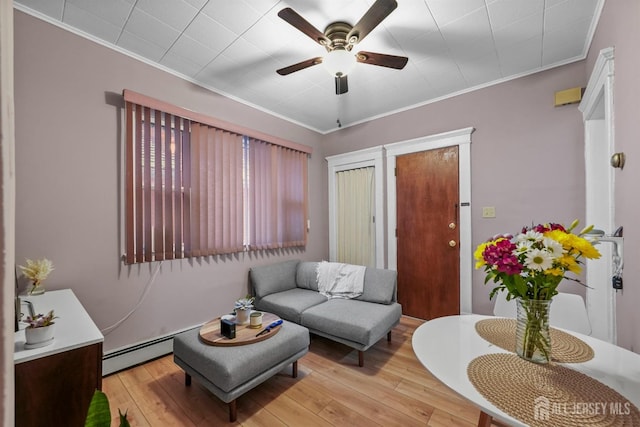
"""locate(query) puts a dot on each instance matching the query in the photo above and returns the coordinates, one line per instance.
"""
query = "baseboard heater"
(126, 357)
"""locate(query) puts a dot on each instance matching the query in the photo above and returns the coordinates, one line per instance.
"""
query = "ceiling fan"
(339, 38)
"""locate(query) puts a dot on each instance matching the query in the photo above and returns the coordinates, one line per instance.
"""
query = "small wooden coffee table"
(210, 332)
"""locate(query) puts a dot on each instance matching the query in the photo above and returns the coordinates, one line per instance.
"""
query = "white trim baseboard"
(126, 357)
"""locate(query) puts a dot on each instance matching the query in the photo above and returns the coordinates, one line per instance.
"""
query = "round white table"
(446, 345)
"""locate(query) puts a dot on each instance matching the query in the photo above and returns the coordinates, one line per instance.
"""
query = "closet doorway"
(356, 212)
(355, 206)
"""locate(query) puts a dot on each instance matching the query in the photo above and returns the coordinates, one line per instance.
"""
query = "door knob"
(452, 243)
(452, 225)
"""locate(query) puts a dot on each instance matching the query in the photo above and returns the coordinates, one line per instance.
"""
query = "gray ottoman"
(229, 372)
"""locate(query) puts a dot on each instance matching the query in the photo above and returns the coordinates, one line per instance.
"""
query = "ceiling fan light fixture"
(339, 62)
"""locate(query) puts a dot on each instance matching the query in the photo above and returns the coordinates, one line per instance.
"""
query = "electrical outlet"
(488, 212)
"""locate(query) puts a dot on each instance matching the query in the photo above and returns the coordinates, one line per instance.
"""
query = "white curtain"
(355, 217)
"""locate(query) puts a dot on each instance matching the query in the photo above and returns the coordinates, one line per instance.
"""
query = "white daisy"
(553, 247)
(531, 236)
(523, 246)
(538, 260)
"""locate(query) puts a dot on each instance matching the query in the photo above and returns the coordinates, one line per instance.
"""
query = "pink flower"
(501, 255)
(543, 228)
(510, 265)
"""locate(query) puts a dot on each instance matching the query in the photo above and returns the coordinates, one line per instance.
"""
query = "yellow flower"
(586, 248)
(555, 271)
(559, 236)
(478, 254)
(568, 262)
(574, 243)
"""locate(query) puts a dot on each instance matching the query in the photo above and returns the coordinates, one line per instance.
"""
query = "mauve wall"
(526, 155)
(527, 161)
(68, 185)
(619, 27)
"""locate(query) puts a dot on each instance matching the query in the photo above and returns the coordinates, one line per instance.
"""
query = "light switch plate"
(488, 212)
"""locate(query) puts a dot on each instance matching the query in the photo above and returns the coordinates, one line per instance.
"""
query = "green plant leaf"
(99, 414)
(123, 419)
(520, 286)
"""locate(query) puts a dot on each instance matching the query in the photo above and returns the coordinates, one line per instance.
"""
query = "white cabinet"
(56, 382)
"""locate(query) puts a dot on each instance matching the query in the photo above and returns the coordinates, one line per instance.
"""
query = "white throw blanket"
(337, 280)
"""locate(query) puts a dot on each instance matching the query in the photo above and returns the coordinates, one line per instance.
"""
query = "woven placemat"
(549, 395)
(565, 348)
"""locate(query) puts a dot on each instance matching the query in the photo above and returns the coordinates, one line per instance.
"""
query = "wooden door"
(427, 233)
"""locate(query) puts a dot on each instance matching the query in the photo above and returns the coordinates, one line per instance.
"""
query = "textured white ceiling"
(234, 47)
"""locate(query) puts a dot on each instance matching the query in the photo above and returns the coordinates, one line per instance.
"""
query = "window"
(197, 189)
(277, 196)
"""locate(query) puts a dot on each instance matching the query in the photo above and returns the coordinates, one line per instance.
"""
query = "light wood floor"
(392, 389)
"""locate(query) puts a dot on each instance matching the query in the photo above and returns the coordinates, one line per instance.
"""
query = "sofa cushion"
(268, 279)
(359, 321)
(307, 275)
(291, 303)
(379, 286)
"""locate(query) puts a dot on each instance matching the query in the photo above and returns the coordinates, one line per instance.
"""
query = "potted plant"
(37, 271)
(39, 331)
(243, 308)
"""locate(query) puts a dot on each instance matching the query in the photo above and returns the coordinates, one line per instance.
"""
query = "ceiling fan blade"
(390, 61)
(374, 16)
(293, 18)
(299, 66)
(341, 85)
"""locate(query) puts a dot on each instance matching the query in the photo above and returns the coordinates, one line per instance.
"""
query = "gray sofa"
(290, 290)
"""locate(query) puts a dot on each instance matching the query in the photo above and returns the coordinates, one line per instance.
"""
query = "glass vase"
(533, 341)
(36, 289)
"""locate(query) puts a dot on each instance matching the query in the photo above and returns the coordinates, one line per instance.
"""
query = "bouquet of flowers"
(531, 264)
(529, 267)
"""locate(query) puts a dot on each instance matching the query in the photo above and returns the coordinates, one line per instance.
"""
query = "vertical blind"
(216, 192)
(193, 189)
(156, 212)
(277, 196)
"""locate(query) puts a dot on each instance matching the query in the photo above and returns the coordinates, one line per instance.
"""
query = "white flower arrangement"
(37, 271)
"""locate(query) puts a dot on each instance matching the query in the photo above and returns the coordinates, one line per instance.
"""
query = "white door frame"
(597, 111)
(369, 157)
(8, 203)
(461, 138)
